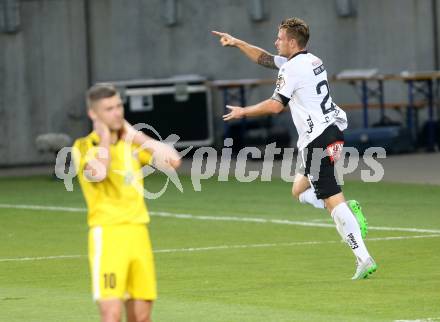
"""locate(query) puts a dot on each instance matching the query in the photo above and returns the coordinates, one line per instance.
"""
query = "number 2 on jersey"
(325, 109)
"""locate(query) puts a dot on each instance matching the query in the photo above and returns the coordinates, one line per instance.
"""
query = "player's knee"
(144, 316)
(111, 315)
(296, 192)
(110, 312)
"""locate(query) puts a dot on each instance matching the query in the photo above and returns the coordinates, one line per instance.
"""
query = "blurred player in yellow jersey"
(120, 255)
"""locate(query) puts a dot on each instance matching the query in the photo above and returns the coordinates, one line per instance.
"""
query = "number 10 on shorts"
(109, 280)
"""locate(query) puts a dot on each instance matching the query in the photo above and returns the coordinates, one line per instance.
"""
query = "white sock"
(348, 228)
(309, 197)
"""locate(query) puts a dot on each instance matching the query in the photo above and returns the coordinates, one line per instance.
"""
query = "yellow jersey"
(118, 199)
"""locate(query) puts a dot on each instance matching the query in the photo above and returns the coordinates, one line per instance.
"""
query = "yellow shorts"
(121, 262)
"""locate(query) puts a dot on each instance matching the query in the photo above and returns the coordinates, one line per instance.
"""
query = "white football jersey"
(302, 83)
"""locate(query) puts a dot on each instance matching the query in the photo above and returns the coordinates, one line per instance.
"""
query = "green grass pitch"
(228, 270)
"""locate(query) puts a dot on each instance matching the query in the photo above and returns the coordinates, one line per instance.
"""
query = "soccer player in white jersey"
(302, 85)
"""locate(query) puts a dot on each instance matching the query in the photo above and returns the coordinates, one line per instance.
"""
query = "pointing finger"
(218, 33)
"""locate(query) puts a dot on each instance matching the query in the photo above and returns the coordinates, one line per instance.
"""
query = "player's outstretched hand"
(165, 156)
(236, 112)
(226, 39)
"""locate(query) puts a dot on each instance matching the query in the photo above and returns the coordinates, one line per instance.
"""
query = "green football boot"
(357, 212)
(364, 269)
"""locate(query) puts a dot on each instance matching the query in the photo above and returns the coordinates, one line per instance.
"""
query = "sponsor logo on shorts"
(334, 151)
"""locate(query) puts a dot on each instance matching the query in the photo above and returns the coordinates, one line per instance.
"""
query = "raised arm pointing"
(254, 53)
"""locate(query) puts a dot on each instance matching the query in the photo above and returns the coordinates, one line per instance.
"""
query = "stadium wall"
(64, 45)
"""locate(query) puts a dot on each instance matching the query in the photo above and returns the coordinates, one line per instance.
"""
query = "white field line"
(284, 222)
(221, 247)
(48, 208)
(321, 220)
(420, 320)
(226, 218)
(39, 258)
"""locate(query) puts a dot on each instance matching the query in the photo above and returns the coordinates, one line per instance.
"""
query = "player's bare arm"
(254, 53)
(96, 170)
(267, 60)
(267, 107)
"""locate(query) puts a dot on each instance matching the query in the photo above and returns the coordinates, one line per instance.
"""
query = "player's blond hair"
(100, 91)
(297, 29)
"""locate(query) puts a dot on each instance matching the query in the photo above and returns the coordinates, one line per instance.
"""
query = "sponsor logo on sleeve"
(318, 70)
(280, 82)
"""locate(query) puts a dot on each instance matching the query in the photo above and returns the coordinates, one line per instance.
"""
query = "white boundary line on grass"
(420, 320)
(39, 258)
(226, 218)
(221, 247)
(284, 222)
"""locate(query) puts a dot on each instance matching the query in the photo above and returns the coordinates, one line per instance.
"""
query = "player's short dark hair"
(297, 29)
(100, 91)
